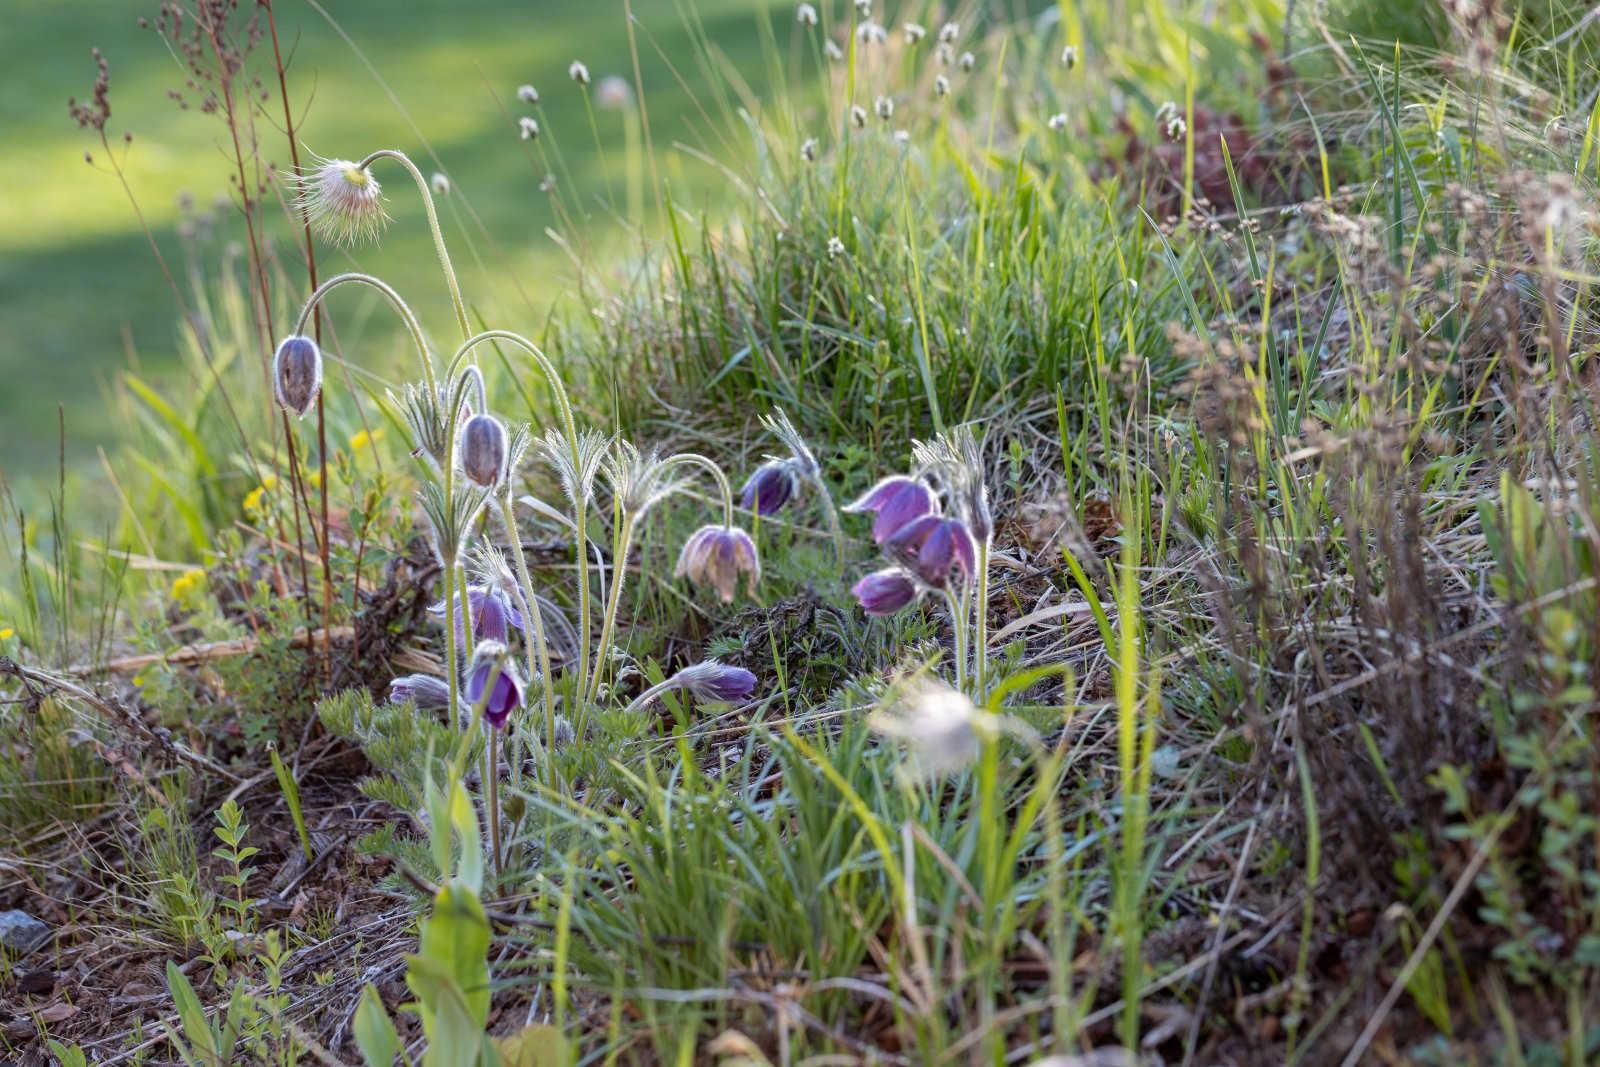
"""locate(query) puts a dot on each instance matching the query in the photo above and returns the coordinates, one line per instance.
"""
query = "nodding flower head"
(885, 592)
(424, 690)
(492, 680)
(932, 548)
(717, 555)
(613, 93)
(578, 72)
(773, 485)
(527, 94)
(297, 374)
(492, 612)
(714, 682)
(343, 201)
(894, 502)
(805, 15)
(483, 450)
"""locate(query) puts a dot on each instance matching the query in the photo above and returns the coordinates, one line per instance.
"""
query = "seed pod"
(297, 374)
(483, 450)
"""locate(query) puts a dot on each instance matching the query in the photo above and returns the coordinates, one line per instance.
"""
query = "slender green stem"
(959, 617)
(433, 225)
(695, 459)
(538, 646)
(413, 326)
(831, 513)
(491, 812)
(452, 668)
(980, 651)
(619, 565)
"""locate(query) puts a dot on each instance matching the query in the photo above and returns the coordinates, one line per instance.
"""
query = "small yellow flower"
(363, 439)
(7, 633)
(255, 500)
(187, 584)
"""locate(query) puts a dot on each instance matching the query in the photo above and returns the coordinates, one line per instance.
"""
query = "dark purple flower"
(297, 374)
(494, 612)
(483, 450)
(894, 502)
(424, 690)
(710, 680)
(504, 695)
(773, 485)
(885, 592)
(718, 555)
(931, 546)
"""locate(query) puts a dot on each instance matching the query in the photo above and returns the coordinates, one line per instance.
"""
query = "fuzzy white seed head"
(870, 32)
(941, 729)
(613, 93)
(805, 15)
(528, 126)
(527, 94)
(949, 32)
(945, 54)
(915, 31)
(808, 150)
(578, 72)
(858, 117)
(1069, 57)
(1058, 121)
(941, 86)
(863, 8)
(343, 202)
(967, 61)
(835, 248)
(440, 182)
(902, 137)
(833, 51)
(884, 107)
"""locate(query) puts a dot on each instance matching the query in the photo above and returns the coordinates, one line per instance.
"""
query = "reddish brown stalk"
(316, 330)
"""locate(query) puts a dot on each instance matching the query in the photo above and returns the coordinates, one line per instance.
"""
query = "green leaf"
(376, 1036)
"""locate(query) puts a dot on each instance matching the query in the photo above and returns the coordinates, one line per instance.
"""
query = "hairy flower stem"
(538, 647)
(491, 767)
(619, 566)
(960, 615)
(433, 225)
(413, 326)
(452, 667)
(831, 513)
(980, 648)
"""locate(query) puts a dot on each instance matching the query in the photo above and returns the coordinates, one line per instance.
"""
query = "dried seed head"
(527, 94)
(528, 127)
(297, 374)
(614, 93)
(578, 72)
(440, 183)
(342, 201)
(806, 15)
(483, 450)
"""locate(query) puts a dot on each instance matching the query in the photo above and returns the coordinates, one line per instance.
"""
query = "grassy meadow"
(1046, 534)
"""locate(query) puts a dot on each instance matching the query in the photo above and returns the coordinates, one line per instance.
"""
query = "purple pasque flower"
(885, 592)
(713, 681)
(492, 680)
(483, 450)
(493, 611)
(770, 487)
(894, 502)
(717, 555)
(424, 690)
(932, 547)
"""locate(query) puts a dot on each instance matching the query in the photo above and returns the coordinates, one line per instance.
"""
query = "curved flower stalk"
(780, 479)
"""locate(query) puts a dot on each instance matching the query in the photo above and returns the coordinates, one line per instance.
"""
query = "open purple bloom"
(424, 690)
(710, 680)
(493, 613)
(894, 502)
(885, 592)
(773, 485)
(930, 547)
(500, 696)
(717, 555)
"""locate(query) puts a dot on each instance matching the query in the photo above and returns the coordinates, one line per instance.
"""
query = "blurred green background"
(81, 295)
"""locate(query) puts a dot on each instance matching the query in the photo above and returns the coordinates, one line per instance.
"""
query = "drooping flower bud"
(772, 486)
(894, 502)
(493, 680)
(424, 690)
(885, 592)
(297, 374)
(933, 548)
(715, 682)
(717, 555)
(483, 450)
(343, 202)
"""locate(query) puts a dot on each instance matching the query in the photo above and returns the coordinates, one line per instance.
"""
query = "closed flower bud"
(440, 183)
(858, 117)
(424, 690)
(716, 556)
(483, 450)
(297, 374)
(492, 612)
(885, 592)
(933, 548)
(893, 503)
(773, 485)
(715, 682)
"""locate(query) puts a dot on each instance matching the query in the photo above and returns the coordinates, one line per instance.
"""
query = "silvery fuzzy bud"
(297, 374)
(483, 450)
